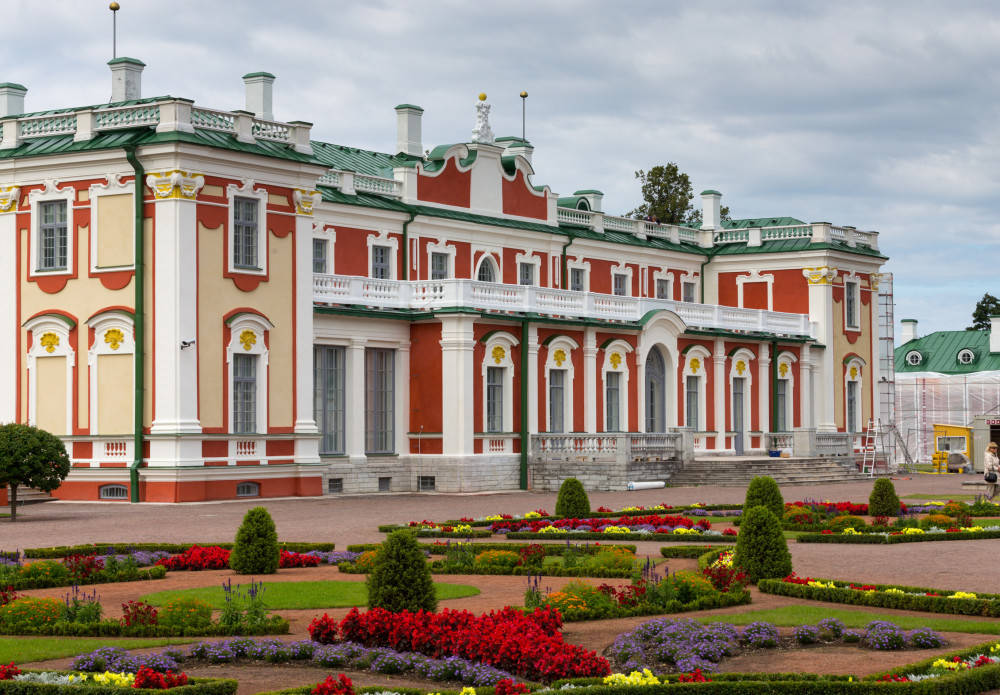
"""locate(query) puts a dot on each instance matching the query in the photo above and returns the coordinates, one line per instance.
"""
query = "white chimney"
(12, 99)
(409, 139)
(260, 89)
(908, 330)
(994, 333)
(711, 210)
(593, 197)
(516, 146)
(126, 79)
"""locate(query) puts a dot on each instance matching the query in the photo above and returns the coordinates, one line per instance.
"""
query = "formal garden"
(609, 599)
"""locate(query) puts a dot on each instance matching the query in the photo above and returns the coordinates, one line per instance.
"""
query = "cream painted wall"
(217, 296)
(863, 347)
(114, 242)
(50, 381)
(114, 394)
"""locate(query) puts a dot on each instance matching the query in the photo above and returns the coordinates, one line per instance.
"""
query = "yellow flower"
(850, 531)
(894, 591)
(681, 531)
(913, 531)
(821, 585)
(962, 594)
(532, 515)
(635, 678)
(462, 528)
(468, 691)
(552, 529)
(617, 529)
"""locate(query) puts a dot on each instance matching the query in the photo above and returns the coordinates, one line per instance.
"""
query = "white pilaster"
(805, 389)
(175, 316)
(354, 418)
(764, 388)
(590, 391)
(305, 422)
(719, 387)
(531, 378)
(457, 384)
(8, 311)
(821, 312)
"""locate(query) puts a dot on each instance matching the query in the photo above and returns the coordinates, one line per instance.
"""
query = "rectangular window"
(52, 236)
(662, 289)
(384, 484)
(335, 485)
(380, 400)
(380, 263)
(494, 399)
(439, 266)
(576, 279)
(525, 274)
(851, 304)
(781, 406)
(244, 394)
(852, 406)
(951, 444)
(612, 401)
(620, 282)
(691, 402)
(328, 396)
(688, 291)
(245, 233)
(425, 483)
(319, 256)
(557, 403)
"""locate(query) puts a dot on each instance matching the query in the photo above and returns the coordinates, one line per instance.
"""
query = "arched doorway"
(656, 381)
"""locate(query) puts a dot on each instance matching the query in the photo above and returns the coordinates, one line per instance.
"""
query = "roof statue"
(482, 133)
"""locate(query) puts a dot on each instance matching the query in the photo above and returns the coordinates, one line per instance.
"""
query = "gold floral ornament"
(49, 341)
(740, 367)
(114, 337)
(498, 354)
(248, 339)
(854, 372)
(783, 369)
(559, 356)
(695, 365)
(616, 359)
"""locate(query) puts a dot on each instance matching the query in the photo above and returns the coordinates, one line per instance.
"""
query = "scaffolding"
(886, 364)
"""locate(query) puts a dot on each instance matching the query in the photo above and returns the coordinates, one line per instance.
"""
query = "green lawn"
(24, 649)
(938, 498)
(295, 595)
(788, 616)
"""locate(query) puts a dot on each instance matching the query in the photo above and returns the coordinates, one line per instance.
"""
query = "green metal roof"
(752, 222)
(788, 245)
(939, 353)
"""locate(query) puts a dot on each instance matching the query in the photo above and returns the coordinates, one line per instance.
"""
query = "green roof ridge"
(124, 60)
(408, 106)
(259, 74)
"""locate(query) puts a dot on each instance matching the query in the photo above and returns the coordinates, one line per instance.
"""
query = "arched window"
(656, 379)
(113, 492)
(914, 358)
(248, 490)
(487, 269)
(966, 356)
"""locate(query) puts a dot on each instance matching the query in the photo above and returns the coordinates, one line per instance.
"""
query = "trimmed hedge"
(880, 539)
(173, 548)
(195, 686)
(691, 552)
(549, 548)
(113, 628)
(986, 605)
(100, 577)
(704, 603)
(562, 537)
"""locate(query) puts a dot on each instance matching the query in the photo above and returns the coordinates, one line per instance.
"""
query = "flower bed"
(551, 549)
(617, 533)
(905, 535)
(46, 574)
(171, 548)
(217, 558)
(40, 682)
(909, 598)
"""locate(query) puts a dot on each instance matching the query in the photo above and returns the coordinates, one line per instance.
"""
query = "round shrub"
(31, 612)
(924, 638)
(806, 634)
(497, 559)
(764, 492)
(884, 636)
(400, 579)
(883, 501)
(255, 550)
(760, 634)
(572, 500)
(839, 523)
(186, 613)
(761, 551)
(831, 627)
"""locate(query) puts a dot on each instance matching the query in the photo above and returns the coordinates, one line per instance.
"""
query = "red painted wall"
(447, 187)
(521, 199)
(425, 382)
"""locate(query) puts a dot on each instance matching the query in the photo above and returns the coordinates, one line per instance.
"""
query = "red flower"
(9, 671)
(341, 686)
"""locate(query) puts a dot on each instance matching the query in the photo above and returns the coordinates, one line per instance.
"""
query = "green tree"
(764, 491)
(883, 501)
(400, 579)
(255, 550)
(667, 196)
(761, 548)
(32, 457)
(572, 500)
(986, 307)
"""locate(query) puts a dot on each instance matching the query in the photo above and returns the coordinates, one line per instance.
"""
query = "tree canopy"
(667, 196)
(986, 307)
(32, 457)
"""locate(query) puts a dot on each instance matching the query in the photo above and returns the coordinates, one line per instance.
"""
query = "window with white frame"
(247, 229)
(688, 291)
(247, 358)
(613, 402)
(966, 356)
(559, 384)
(619, 284)
(852, 396)
(248, 489)
(329, 391)
(320, 247)
(851, 303)
(498, 383)
(525, 273)
(112, 370)
(740, 382)
(487, 271)
(381, 263)
(494, 399)
(914, 358)
(52, 235)
(783, 393)
(113, 492)
(692, 401)
(380, 400)
(439, 266)
(662, 288)
(615, 373)
(441, 260)
(577, 279)
(557, 400)
(695, 374)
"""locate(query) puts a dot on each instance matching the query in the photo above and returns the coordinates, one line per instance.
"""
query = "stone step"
(29, 495)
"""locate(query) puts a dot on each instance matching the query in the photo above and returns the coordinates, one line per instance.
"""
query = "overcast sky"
(880, 115)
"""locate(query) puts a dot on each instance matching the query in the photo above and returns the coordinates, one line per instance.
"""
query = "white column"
(175, 316)
(719, 380)
(764, 388)
(532, 378)
(458, 375)
(805, 389)
(591, 395)
(821, 312)
(307, 444)
(402, 396)
(354, 416)
(640, 391)
(8, 315)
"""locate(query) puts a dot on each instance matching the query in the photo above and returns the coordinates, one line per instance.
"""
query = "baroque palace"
(209, 304)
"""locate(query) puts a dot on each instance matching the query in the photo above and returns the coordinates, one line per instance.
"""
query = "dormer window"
(914, 358)
(966, 356)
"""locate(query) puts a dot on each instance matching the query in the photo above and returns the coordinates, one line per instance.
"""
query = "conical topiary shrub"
(763, 491)
(255, 550)
(400, 579)
(572, 501)
(883, 501)
(761, 550)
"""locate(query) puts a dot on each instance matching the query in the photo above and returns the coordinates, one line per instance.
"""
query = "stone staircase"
(738, 471)
(29, 495)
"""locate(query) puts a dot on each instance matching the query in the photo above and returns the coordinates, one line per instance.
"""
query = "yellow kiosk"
(951, 439)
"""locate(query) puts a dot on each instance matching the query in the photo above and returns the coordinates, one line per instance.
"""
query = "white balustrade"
(116, 449)
(786, 232)
(45, 126)
(584, 218)
(126, 117)
(378, 185)
(210, 119)
(270, 130)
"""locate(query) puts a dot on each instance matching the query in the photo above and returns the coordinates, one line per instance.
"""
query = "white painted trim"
(328, 234)
(258, 326)
(621, 348)
(50, 193)
(114, 186)
(622, 268)
(567, 345)
(851, 278)
(858, 364)
(742, 357)
(493, 256)
(690, 277)
(755, 276)
(247, 190)
(577, 264)
(101, 325)
(785, 360)
(382, 238)
(530, 258)
(442, 246)
(9, 330)
(663, 274)
(506, 341)
(698, 370)
(38, 327)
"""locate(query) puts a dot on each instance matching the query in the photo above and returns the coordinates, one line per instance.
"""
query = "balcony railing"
(435, 295)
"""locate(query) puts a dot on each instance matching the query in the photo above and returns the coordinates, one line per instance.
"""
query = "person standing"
(991, 464)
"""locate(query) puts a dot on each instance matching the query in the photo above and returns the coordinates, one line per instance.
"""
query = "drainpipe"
(774, 389)
(524, 404)
(565, 274)
(406, 245)
(139, 361)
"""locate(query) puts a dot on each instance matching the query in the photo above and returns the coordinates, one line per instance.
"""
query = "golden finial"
(114, 7)
(482, 96)
(524, 95)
